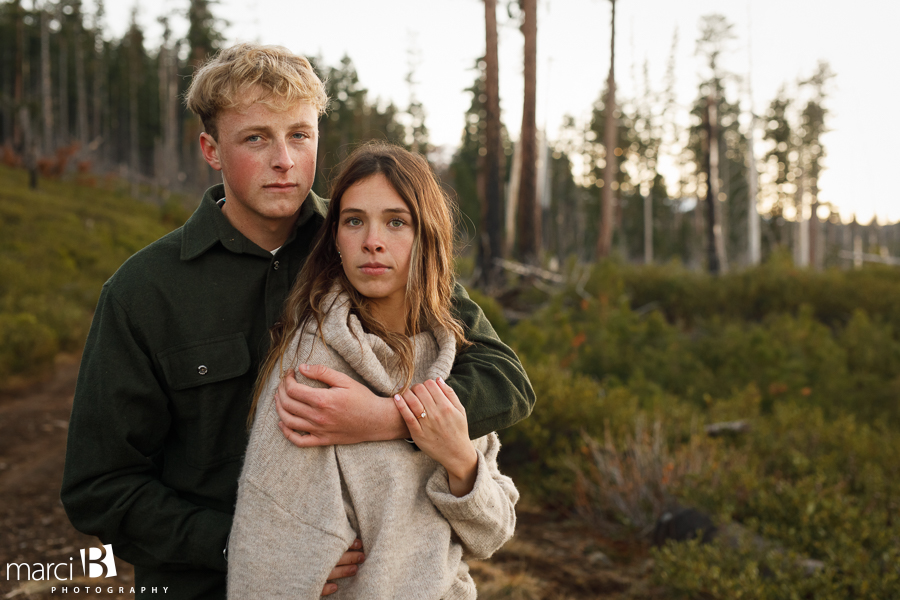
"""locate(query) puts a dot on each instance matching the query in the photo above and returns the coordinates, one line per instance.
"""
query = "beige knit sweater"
(299, 509)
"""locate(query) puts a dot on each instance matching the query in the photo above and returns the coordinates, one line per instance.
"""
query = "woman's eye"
(397, 223)
(353, 222)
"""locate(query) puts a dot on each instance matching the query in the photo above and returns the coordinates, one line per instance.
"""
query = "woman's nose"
(373, 241)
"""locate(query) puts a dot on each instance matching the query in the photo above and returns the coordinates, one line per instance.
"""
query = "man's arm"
(487, 376)
(111, 484)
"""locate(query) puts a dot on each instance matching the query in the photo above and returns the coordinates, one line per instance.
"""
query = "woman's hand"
(437, 424)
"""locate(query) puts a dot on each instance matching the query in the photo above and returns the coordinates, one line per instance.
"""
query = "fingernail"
(397, 397)
(357, 544)
(440, 380)
(304, 367)
(362, 559)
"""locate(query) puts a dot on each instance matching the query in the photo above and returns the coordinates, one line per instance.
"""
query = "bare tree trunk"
(80, 82)
(490, 240)
(29, 155)
(529, 210)
(134, 77)
(46, 83)
(814, 254)
(715, 240)
(20, 67)
(63, 83)
(648, 228)
(802, 253)
(753, 232)
(604, 240)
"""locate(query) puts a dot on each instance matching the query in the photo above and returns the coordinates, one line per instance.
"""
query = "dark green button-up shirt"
(158, 426)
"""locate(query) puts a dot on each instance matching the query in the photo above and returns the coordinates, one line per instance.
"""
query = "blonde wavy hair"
(249, 73)
(429, 288)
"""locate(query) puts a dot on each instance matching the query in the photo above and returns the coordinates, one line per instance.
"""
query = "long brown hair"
(431, 273)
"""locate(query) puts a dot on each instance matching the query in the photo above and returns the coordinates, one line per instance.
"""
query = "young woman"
(372, 301)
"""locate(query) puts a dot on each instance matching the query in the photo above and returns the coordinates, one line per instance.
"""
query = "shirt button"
(275, 265)
(202, 370)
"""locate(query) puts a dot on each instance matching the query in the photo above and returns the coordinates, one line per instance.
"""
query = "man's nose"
(281, 156)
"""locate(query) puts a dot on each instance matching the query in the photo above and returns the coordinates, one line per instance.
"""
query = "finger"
(451, 394)
(291, 389)
(296, 415)
(329, 377)
(415, 404)
(342, 571)
(411, 420)
(329, 589)
(424, 395)
(301, 439)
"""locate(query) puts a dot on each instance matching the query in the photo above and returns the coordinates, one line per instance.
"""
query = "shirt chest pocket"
(211, 384)
(208, 361)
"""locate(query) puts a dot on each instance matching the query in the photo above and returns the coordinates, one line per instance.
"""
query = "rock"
(682, 524)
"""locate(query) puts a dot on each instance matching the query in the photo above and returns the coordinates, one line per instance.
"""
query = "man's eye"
(253, 138)
(300, 136)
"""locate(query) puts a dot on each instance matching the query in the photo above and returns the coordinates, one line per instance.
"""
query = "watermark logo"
(95, 562)
(99, 562)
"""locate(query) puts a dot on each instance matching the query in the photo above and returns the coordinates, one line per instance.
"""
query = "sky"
(778, 42)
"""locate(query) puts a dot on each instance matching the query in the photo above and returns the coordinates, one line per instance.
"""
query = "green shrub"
(26, 344)
(58, 244)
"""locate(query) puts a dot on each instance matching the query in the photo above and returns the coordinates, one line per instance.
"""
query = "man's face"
(268, 162)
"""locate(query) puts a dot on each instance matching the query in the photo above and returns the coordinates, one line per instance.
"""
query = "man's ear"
(210, 150)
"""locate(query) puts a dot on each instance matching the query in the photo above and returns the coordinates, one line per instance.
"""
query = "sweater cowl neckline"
(371, 357)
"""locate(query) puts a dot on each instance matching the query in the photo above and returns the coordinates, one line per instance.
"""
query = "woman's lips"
(374, 269)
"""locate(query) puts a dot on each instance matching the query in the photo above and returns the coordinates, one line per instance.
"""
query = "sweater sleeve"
(485, 518)
(488, 378)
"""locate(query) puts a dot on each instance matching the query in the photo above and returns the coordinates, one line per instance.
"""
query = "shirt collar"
(208, 225)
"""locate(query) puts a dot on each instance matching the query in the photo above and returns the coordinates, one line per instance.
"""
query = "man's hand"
(346, 567)
(346, 412)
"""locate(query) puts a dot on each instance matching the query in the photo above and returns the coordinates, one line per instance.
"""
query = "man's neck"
(267, 234)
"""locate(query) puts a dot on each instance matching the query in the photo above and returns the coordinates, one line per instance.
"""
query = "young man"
(158, 425)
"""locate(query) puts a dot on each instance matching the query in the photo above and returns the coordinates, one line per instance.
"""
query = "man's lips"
(280, 186)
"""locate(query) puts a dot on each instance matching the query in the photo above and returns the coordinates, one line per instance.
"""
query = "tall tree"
(46, 82)
(167, 69)
(715, 32)
(490, 239)
(604, 240)
(780, 162)
(204, 38)
(81, 110)
(417, 131)
(135, 48)
(529, 217)
(63, 73)
(813, 151)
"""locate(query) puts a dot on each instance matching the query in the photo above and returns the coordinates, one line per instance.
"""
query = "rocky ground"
(549, 558)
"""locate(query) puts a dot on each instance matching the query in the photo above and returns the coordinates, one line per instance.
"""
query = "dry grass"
(623, 489)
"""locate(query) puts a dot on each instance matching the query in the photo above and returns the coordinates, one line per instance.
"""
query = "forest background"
(646, 310)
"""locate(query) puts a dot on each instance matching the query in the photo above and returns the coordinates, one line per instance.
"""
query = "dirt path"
(549, 559)
(34, 526)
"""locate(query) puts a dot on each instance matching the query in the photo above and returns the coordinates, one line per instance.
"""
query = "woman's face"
(375, 236)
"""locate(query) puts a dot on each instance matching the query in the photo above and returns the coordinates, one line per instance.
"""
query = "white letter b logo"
(99, 563)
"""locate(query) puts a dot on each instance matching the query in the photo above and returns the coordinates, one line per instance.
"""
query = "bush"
(26, 344)
(58, 245)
